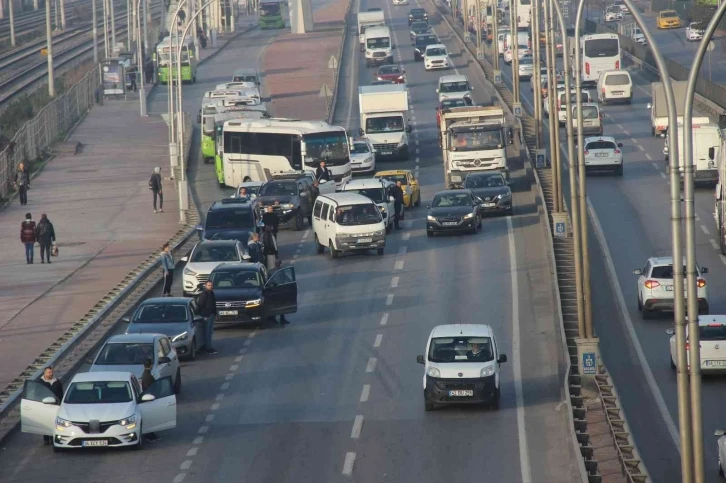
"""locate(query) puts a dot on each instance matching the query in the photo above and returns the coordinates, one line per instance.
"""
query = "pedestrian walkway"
(294, 88)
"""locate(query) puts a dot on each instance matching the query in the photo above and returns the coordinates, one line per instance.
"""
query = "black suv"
(422, 41)
(230, 219)
(417, 15)
(291, 197)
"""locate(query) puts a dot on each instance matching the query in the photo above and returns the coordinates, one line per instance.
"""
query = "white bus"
(255, 149)
(524, 13)
(600, 52)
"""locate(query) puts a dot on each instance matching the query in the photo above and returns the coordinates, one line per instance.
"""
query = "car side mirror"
(650, 106)
(199, 227)
(704, 270)
(184, 259)
(49, 400)
(719, 432)
(638, 271)
(620, 145)
(361, 132)
(164, 360)
(198, 319)
(420, 359)
(437, 91)
(502, 358)
(147, 398)
(409, 129)
(126, 319)
(671, 331)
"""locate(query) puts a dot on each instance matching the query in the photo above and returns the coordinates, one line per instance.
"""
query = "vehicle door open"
(38, 409)
(281, 292)
(158, 406)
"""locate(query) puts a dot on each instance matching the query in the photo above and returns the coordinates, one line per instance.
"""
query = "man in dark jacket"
(45, 233)
(207, 306)
(278, 266)
(269, 243)
(397, 194)
(22, 183)
(269, 218)
(28, 236)
(323, 173)
(155, 187)
(147, 379)
(49, 380)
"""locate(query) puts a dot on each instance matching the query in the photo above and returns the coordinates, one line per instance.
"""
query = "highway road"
(337, 395)
(630, 223)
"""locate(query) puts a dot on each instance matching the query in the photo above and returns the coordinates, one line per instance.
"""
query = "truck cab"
(367, 20)
(707, 139)
(384, 119)
(378, 46)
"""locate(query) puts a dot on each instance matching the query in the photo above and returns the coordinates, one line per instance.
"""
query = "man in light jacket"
(167, 265)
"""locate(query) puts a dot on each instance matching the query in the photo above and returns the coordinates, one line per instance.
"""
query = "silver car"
(175, 317)
(127, 353)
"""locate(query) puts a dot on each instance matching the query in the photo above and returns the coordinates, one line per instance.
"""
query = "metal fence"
(32, 141)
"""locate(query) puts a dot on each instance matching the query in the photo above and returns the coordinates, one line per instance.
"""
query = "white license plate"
(98, 442)
(365, 240)
(601, 155)
(669, 288)
(228, 312)
(449, 223)
(715, 363)
(461, 393)
(386, 153)
(489, 205)
(618, 93)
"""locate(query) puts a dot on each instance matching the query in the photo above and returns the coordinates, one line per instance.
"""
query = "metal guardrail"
(341, 52)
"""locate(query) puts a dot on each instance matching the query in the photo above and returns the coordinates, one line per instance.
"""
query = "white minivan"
(454, 87)
(615, 86)
(346, 222)
(378, 190)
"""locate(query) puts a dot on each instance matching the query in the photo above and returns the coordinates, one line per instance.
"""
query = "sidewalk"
(294, 88)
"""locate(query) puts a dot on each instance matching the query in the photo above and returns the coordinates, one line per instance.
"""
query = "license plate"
(601, 155)
(386, 153)
(461, 393)
(489, 205)
(618, 93)
(97, 442)
(449, 223)
(669, 288)
(715, 364)
(365, 240)
(228, 312)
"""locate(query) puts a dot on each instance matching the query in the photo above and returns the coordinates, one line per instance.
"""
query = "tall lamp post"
(140, 59)
(49, 47)
(553, 127)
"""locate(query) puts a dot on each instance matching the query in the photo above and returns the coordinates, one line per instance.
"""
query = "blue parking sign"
(560, 228)
(588, 363)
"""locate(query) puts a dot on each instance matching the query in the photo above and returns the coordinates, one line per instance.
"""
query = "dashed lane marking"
(198, 440)
(394, 282)
(371, 366)
(192, 451)
(209, 418)
(203, 430)
(384, 318)
(214, 407)
(663, 175)
(389, 299)
(399, 265)
(405, 236)
(365, 393)
(648, 157)
(357, 427)
(348, 464)
(714, 244)
(402, 250)
(379, 339)
(185, 465)
(705, 230)
(655, 165)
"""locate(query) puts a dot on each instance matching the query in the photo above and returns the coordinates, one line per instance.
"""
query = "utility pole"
(63, 14)
(129, 21)
(49, 35)
(537, 73)
(514, 21)
(552, 118)
(94, 20)
(105, 29)
(146, 29)
(495, 38)
(552, 60)
(477, 19)
(11, 11)
(113, 26)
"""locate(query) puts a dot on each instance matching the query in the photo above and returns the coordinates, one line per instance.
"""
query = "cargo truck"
(659, 108)
(365, 20)
(384, 119)
(473, 139)
(707, 140)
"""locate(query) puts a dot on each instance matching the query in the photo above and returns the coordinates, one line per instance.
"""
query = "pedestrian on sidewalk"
(149, 71)
(207, 305)
(167, 265)
(270, 247)
(182, 16)
(22, 183)
(48, 379)
(45, 233)
(155, 187)
(278, 266)
(147, 379)
(28, 237)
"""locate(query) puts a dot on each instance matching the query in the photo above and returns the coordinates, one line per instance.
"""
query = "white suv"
(378, 190)
(205, 257)
(454, 87)
(712, 335)
(655, 287)
(461, 365)
(603, 154)
(436, 57)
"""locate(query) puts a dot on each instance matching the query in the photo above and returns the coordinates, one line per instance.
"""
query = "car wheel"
(299, 221)
(140, 444)
(310, 221)
(177, 382)
(646, 314)
(475, 229)
(333, 252)
(380, 251)
(389, 229)
(720, 468)
(479, 226)
(193, 350)
(318, 247)
(495, 402)
(640, 305)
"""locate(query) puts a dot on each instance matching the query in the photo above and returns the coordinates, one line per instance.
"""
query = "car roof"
(417, 9)
(231, 203)
(663, 261)
(241, 266)
(217, 243)
(435, 46)
(454, 330)
(390, 172)
(599, 138)
(132, 338)
(453, 78)
(452, 192)
(250, 184)
(101, 376)
(362, 183)
(343, 198)
(166, 300)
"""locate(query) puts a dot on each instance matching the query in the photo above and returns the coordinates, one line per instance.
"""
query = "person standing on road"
(323, 173)
(167, 264)
(397, 194)
(147, 379)
(278, 266)
(45, 233)
(49, 380)
(270, 247)
(155, 187)
(207, 305)
(22, 183)
(28, 236)
(270, 219)
(254, 247)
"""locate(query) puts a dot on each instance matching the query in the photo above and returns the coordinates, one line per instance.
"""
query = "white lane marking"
(399, 265)
(233, 367)
(214, 407)
(384, 319)
(198, 440)
(640, 147)
(185, 465)
(357, 427)
(179, 478)
(371, 366)
(348, 464)
(417, 159)
(405, 236)
(203, 430)
(650, 379)
(389, 299)
(402, 250)
(192, 451)
(252, 335)
(516, 348)
(305, 235)
(365, 393)
(224, 386)
(663, 175)
(247, 343)
(238, 359)
(697, 218)
(655, 165)
(220, 396)
(626, 132)
(209, 418)
(705, 230)
(714, 244)
(648, 157)
(379, 339)
(394, 282)
(417, 151)
(229, 377)
(243, 350)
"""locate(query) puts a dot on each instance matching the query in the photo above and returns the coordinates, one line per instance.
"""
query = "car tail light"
(617, 151)
(701, 283)
(651, 284)
(617, 64)
(587, 68)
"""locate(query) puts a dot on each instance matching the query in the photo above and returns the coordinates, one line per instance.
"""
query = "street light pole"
(537, 73)
(105, 28)
(514, 22)
(140, 59)
(49, 47)
(94, 20)
(552, 60)
(552, 118)
(113, 25)
(684, 416)
(495, 34)
(11, 11)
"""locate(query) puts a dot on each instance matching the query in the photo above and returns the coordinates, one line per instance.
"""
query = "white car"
(638, 36)
(436, 57)
(362, 156)
(253, 187)
(400, 2)
(522, 51)
(454, 87)
(613, 15)
(378, 191)
(721, 433)
(712, 335)
(526, 68)
(603, 154)
(694, 31)
(99, 409)
(655, 287)
(461, 366)
(205, 257)
(127, 353)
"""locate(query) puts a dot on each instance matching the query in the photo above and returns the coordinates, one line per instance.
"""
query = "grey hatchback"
(175, 317)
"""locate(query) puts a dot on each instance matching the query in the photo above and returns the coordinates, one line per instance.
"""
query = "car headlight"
(129, 422)
(400, 77)
(504, 196)
(382, 209)
(187, 271)
(433, 372)
(61, 424)
(402, 142)
(380, 78)
(469, 216)
(369, 159)
(253, 303)
(487, 371)
(182, 336)
(379, 233)
(287, 206)
(430, 218)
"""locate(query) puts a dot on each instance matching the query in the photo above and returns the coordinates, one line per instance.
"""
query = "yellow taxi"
(668, 19)
(409, 185)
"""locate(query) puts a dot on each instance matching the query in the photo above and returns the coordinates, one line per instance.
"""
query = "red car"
(449, 103)
(391, 73)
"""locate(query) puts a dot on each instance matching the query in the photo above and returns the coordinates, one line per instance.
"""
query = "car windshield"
(279, 188)
(526, 61)
(358, 215)
(251, 190)
(435, 51)
(451, 199)
(360, 148)
(666, 272)
(393, 178)
(375, 194)
(454, 103)
(389, 69)
(269, 9)
(384, 124)
(215, 253)
(425, 40)
(420, 27)
(125, 354)
(161, 313)
(245, 78)
(461, 86)
(590, 112)
(484, 180)
(600, 145)
(236, 279)
(617, 79)
(461, 349)
(476, 140)
(712, 332)
(230, 218)
(99, 392)
(378, 43)
(669, 14)
(417, 12)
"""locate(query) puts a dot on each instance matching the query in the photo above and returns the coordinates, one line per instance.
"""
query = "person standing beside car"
(207, 305)
(269, 247)
(48, 379)
(167, 265)
(147, 379)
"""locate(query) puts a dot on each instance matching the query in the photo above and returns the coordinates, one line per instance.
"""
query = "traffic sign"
(480, 54)
(497, 77)
(540, 159)
(333, 62)
(588, 363)
(325, 91)
(517, 109)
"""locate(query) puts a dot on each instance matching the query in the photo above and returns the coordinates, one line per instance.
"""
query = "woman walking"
(46, 237)
(28, 236)
(22, 183)
(155, 187)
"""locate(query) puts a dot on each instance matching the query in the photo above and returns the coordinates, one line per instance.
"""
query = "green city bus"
(271, 14)
(164, 55)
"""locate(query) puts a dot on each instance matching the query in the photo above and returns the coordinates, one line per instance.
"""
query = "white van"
(615, 86)
(346, 222)
(378, 190)
(378, 46)
(454, 87)
(591, 119)
(562, 102)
